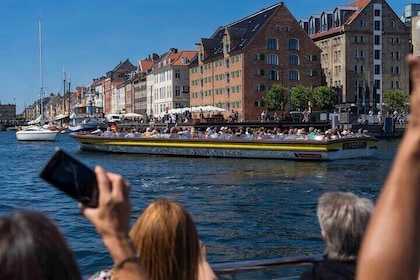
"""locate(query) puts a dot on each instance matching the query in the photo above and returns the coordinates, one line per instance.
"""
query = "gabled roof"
(123, 65)
(242, 31)
(354, 8)
(177, 58)
(145, 65)
(173, 58)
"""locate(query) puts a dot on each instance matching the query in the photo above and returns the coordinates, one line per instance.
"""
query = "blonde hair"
(167, 241)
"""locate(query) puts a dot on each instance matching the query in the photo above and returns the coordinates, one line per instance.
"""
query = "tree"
(325, 98)
(277, 98)
(395, 99)
(300, 97)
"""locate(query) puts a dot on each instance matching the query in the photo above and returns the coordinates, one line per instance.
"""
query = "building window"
(293, 59)
(293, 44)
(362, 69)
(377, 54)
(177, 90)
(391, 84)
(272, 59)
(377, 25)
(397, 69)
(355, 69)
(177, 74)
(392, 70)
(392, 24)
(397, 84)
(273, 75)
(272, 44)
(356, 54)
(293, 75)
(378, 84)
(377, 40)
(377, 13)
(377, 69)
(362, 22)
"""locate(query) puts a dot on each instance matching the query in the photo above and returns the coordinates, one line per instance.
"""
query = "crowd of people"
(360, 242)
(226, 133)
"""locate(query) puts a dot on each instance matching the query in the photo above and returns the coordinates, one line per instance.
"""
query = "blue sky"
(87, 38)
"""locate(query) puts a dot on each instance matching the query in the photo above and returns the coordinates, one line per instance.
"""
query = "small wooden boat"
(344, 148)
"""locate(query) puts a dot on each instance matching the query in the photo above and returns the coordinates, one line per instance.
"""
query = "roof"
(241, 32)
(355, 9)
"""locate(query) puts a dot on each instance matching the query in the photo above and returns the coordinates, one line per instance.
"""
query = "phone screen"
(72, 177)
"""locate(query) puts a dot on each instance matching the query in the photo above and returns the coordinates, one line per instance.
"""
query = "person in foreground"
(112, 219)
(33, 248)
(343, 217)
(166, 238)
(390, 249)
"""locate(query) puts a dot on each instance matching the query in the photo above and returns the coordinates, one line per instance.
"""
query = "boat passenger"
(147, 133)
(343, 218)
(108, 132)
(98, 131)
(312, 133)
(185, 133)
(131, 134)
(222, 133)
(248, 133)
(166, 238)
(173, 132)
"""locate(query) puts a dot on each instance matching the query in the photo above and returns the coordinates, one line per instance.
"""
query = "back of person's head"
(32, 247)
(167, 241)
(343, 217)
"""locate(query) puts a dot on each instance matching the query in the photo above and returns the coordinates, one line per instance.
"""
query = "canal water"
(243, 209)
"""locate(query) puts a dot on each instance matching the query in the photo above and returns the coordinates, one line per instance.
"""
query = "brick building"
(364, 45)
(240, 62)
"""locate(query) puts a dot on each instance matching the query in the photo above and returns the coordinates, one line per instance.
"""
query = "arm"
(111, 219)
(390, 249)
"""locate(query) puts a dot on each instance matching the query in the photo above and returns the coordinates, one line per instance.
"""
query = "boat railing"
(277, 268)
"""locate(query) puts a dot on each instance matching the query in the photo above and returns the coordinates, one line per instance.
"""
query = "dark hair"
(32, 247)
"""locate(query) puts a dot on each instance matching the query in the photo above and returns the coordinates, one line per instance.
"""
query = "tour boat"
(343, 148)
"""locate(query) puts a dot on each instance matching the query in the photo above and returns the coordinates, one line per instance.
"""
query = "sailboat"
(38, 132)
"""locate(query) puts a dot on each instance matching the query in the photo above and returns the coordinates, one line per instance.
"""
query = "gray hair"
(344, 217)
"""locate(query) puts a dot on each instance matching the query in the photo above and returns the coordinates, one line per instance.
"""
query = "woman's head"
(32, 247)
(167, 241)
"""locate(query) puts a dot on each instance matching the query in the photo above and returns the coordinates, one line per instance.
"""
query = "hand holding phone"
(72, 177)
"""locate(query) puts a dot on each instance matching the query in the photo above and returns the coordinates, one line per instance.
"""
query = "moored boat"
(86, 124)
(343, 148)
(36, 133)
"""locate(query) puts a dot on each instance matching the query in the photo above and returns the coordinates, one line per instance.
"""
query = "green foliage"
(300, 96)
(277, 97)
(325, 98)
(395, 99)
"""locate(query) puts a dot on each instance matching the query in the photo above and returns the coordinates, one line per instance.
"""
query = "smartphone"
(72, 177)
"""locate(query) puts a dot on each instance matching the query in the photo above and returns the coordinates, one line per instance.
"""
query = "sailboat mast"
(41, 79)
